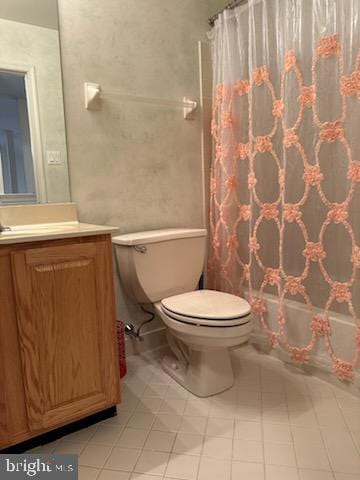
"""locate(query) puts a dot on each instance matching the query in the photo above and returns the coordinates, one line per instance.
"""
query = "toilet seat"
(207, 308)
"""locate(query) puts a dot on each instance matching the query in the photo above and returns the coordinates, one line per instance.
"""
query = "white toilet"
(163, 267)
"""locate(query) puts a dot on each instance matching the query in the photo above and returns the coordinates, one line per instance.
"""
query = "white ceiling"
(43, 13)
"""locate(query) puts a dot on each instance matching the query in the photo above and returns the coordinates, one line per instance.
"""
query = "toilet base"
(206, 373)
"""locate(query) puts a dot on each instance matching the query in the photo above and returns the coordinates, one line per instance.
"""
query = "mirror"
(33, 154)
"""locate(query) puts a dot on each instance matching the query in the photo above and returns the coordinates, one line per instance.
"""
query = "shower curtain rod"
(231, 5)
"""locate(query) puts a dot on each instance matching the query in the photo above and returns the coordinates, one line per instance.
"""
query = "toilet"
(163, 267)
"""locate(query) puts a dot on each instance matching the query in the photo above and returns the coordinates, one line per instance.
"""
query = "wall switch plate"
(54, 157)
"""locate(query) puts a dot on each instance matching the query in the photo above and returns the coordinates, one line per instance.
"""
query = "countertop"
(52, 231)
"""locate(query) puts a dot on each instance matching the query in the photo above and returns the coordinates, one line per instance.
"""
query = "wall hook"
(92, 96)
(190, 105)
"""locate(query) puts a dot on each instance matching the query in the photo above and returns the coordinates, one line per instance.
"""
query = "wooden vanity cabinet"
(58, 354)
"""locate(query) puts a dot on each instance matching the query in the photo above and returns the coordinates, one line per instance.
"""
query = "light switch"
(54, 157)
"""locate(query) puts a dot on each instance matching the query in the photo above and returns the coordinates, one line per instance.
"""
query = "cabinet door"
(65, 310)
(6, 319)
(4, 417)
(13, 415)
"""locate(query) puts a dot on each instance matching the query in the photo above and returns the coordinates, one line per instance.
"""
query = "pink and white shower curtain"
(285, 181)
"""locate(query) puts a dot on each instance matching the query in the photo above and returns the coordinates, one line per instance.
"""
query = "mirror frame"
(29, 72)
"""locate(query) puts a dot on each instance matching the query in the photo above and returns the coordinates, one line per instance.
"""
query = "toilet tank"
(156, 264)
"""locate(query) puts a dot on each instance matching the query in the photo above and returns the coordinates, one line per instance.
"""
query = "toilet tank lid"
(153, 236)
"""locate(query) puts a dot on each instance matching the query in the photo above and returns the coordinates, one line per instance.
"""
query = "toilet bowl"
(202, 326)
(163, 267)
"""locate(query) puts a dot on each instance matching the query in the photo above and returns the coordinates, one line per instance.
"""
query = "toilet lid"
(208, 307)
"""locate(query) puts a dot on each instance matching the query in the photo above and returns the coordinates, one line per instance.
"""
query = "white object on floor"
(163, 267)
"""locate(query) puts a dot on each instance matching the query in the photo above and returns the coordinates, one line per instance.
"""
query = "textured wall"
(24, 45)
(133, 165)
(36, 12)
(216, 5)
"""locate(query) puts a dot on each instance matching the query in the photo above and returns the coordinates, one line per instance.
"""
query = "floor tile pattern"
(275, 423)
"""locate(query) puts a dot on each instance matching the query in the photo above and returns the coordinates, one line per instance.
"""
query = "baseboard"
(151, 340)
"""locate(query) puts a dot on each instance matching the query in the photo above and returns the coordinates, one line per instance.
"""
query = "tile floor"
(274, 424)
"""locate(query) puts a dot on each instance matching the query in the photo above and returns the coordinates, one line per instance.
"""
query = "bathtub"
(299, 334)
